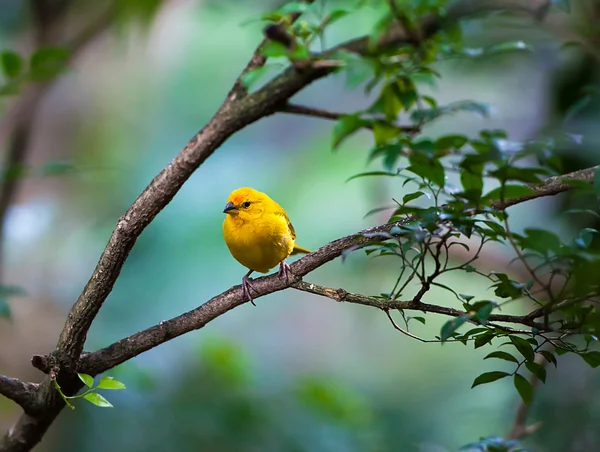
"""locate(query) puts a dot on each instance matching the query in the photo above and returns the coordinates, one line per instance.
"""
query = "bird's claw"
(247, 287)
(285, 271)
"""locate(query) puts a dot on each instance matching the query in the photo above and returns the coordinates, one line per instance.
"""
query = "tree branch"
(20, 392)
(551, 186)
(387, 305)
(326, 114)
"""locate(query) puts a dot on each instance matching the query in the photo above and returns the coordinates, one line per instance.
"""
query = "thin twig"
(327, 114)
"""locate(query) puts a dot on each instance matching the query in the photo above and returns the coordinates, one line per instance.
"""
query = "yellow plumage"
(258, 233)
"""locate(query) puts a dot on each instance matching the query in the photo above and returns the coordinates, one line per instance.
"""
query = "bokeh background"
(297, 372)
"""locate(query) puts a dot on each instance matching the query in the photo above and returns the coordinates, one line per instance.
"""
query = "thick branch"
(20, 392)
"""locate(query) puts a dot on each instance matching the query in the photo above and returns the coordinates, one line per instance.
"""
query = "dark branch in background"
(18, 125)
(520, 429)
(326, 114)
(237, 111)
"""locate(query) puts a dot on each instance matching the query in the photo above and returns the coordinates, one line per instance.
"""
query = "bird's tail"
(298, 249)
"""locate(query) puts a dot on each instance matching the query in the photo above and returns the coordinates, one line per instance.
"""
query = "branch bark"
(326, 114)
(20, 392)
(237, 111)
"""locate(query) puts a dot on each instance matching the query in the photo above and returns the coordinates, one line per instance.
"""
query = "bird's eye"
(246, 204)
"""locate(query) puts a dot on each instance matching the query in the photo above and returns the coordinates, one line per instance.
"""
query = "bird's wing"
(290, 227)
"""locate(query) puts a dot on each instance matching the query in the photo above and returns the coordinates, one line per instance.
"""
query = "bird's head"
(245, 203)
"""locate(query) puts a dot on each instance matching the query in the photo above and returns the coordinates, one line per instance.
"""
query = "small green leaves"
(536, 369)
(451, 326)
(346, 126)
(523, 346)
(503, 355)
(48, 62)
(592, 358)
(549, 356)
(524, 388)
(489, 377)
(88, 380)
(110, 383)
(252, 77)
(90, 394)
(12, 63)
(509, 191)
(97, 399)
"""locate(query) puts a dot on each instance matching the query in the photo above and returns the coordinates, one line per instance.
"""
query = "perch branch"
(20, 392)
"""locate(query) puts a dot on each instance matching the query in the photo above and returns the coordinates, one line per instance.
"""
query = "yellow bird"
(259, 234)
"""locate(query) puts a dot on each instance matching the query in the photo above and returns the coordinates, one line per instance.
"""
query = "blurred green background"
(297, 372)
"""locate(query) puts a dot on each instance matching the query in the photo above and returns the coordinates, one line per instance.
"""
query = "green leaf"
(483, 339)
(450, 142)
(412, 196)
(592, 358)
(48, 62)
(509, 191)
(539, 240)
(585, 237)
(597, 182)
(4, 308)
(524, 388)
(503, 355)
(418, 319)
(97, 399)
(250, 78)
(88, 380)
(508, 47)
(110, 383)
(371, 173)
(274, 49)
(488, 377)
(345, 127)
(549, 356)
(523, 346)
(537, 370)
(452, 325)
(12, 63)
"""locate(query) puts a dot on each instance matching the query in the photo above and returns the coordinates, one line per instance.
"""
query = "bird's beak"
(230, 208)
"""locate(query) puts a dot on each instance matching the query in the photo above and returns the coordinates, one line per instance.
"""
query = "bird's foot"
(285, 271)
(247, 287)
